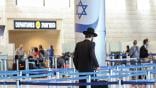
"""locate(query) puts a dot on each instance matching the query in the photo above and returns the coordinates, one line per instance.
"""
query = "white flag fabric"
(91, 13)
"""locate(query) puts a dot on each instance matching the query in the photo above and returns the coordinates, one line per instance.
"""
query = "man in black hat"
(84, 55)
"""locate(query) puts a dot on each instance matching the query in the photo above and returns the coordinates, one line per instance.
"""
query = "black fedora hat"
(90, 31)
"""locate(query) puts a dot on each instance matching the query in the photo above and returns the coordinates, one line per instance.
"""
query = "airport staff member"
(84, 55)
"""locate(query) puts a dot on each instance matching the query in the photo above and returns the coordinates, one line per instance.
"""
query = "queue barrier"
(3, 62)
(134, 82)
(50, 72)
(122, 54)
(70, 71)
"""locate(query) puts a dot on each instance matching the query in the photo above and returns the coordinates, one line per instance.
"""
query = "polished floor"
(35, 87)
(38, 86)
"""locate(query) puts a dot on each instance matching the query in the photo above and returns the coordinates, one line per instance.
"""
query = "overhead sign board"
(30, 24)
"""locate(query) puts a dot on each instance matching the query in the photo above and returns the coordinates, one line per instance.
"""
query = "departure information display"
(30, 24)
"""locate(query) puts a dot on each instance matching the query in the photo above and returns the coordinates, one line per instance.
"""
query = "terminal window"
(44, 3)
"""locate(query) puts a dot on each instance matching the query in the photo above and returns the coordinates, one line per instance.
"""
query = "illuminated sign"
(22, 24)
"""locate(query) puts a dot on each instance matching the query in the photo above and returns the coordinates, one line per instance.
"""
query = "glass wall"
(30, 3)
(57, 3)
(2, 3)
(44, 3)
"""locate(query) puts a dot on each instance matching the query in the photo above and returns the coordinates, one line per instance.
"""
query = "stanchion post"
(5, 67)
(113, 57)
(1, 64)
(119, 73)
(129, 59)
(152, 75)
(1, 61)
(70, 62)
(110, 73)
(20, 73)
(5, 64)
(73, 76)
(17, 65)
(120, 86)
(148, 77)
(111, 79)
(121, 56)
(152, 68)
(89, 81)
(18, 85)
(27, 68)
(57, 76)
(49, 77)
(55, 62)
(26, 64)
(49, 69)
(49, 64)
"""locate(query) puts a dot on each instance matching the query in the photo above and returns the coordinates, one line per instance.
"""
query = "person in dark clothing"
(144, 50)
(41, 52)
(60, 62)
(42, 56)
(84, 55)
(127, 50)
(51, 55)
(144, 54)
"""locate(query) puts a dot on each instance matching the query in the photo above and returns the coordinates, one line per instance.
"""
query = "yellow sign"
(38, 24)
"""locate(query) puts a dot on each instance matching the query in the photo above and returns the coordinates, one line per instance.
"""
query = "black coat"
(84, 56)
(143, 52)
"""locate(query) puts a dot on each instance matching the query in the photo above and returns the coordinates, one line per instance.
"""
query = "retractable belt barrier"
(70, 71)
(119, 73)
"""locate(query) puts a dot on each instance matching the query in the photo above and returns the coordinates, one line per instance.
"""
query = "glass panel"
(30, 3)
(57, 3)
(115, 4)
(143, 4)
(1, 3)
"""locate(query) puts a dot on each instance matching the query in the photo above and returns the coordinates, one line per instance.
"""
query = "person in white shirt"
(134, 50)
(20, 53)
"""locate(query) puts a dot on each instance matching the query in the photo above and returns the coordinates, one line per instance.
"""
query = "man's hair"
(145, 41)
(134, 42)
(88, 36)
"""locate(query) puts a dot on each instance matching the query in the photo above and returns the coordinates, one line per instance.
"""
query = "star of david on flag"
(81, 9)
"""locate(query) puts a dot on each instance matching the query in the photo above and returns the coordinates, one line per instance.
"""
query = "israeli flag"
(91, 13)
